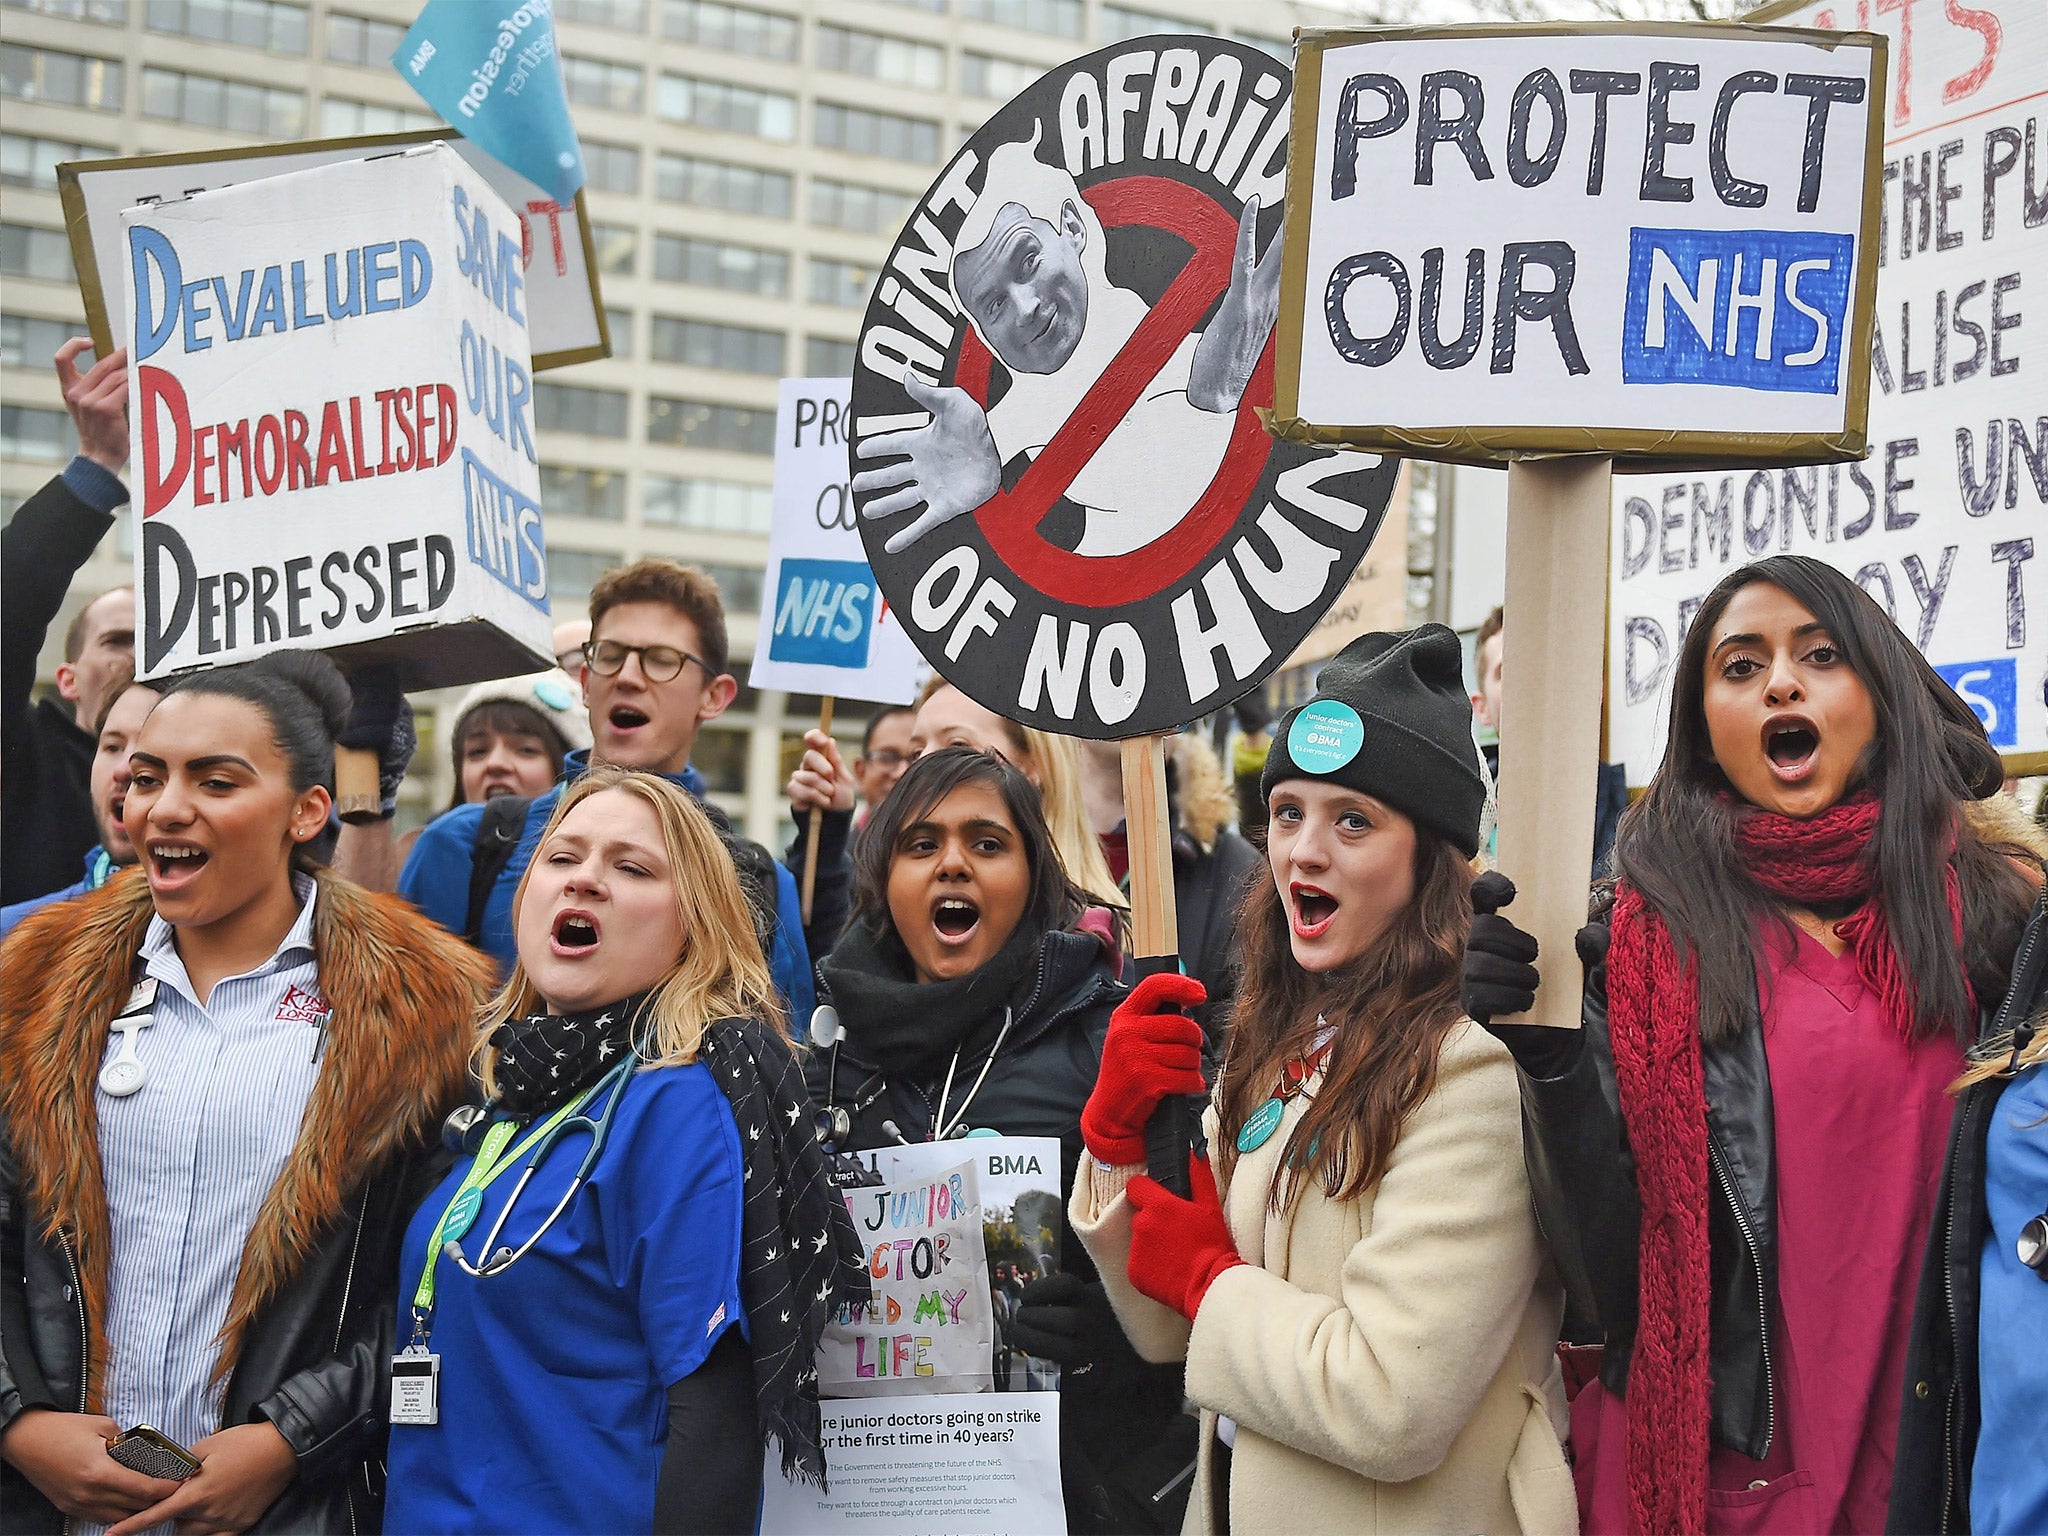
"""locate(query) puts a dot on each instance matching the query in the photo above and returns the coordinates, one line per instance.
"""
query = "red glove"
(1179, 1247)
(1151, 1052)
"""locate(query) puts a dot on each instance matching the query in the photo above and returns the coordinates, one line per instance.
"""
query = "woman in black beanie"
(1355, 1285)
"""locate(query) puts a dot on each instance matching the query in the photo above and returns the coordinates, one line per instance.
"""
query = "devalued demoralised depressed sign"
(1063, 479)
(1655, 242)
(332, 425)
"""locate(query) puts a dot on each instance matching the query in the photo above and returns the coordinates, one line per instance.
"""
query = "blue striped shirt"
(188, 1160)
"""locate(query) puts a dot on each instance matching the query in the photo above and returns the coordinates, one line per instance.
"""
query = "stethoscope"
(610, 1088)
(834, 1122)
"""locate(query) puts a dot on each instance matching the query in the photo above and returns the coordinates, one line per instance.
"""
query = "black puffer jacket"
(310, 1327)
(1119, 1420)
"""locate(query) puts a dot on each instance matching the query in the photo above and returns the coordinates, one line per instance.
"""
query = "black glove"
(1064, 1319)
(380, 720)
(1500, 974)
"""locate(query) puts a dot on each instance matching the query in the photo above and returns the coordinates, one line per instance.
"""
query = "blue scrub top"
(2009, 1482)
(555, 1373)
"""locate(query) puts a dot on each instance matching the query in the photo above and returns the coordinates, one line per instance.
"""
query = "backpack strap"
(497, 833)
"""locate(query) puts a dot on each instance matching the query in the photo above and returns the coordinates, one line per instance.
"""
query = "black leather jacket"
(316, 1362)
(1585, 1184)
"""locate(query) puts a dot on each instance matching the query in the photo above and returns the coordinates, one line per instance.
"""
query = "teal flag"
(489, 68)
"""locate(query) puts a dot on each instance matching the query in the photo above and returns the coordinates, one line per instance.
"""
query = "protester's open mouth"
(574, 934)
(955, 918)
(1314, 910)
(624, 717)
(1792, 746)
(174, 865)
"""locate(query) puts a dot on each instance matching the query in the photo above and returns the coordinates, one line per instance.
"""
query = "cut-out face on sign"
(1062, 479)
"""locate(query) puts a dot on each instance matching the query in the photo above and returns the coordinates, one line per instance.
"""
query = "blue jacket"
(436, 880)
(98, 867)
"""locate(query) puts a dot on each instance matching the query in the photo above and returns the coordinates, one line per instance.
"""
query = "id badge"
(416, 1388)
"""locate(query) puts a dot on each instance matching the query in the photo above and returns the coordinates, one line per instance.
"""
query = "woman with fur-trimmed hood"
(221, 1082)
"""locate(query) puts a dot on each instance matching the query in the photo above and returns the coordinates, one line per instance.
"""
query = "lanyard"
(492, 1158)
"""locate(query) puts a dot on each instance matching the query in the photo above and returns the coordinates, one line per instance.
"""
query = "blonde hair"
(1207, 804)
(1055, 762)
(720, 972)
(1996, 1058)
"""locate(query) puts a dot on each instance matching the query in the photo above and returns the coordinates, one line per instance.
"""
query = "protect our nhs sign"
(1657, 243)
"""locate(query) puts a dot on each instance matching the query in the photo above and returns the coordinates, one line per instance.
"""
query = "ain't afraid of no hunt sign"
(1064, 485)
(1650, 242)
(333, 424)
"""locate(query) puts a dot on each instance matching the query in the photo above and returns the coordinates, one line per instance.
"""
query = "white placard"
(1646, 242)
(979, 1464)
(331, 422)
(825, 627)
(565, 313)
(1944, 523)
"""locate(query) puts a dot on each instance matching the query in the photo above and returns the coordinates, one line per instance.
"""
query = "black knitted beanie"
(1391, 718)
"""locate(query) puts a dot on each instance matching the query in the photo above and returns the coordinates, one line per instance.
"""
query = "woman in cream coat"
(1358, 1284)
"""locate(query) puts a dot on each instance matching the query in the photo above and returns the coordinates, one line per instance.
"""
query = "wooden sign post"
(1155, 942)
(810, 884)
(1558, 515)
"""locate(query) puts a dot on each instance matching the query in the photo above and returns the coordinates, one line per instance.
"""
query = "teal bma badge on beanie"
(1325, 736)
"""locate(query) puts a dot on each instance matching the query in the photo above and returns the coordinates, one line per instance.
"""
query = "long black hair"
(1677, 845)
(1054, 900)
(306, 701)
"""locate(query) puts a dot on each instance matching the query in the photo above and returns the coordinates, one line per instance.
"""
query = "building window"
(714, 506)
(275, 26)
(861, 132)
(844, 284)
(717, 184)
(27, 161)
(1060, 18)
(827, 357)
(734, 108)
(705, 344)
(739, 586)
(866, 210)
(716, 264)
(112, 12)
(341, 118)
(617, 247)
(619, 15)
(729, 28)
(720, 752)
(894, 59)
(1120, 23)
(575, 571)
(936, 7)
(700, 424)
(29, 250)
(594, 493)
(30, 432)
(983, 74)
(611, 167)
(362, 40)
(60, 79)
(577, 408)
(618, 323)
(601, 83)
(207, 101)
(30, 341)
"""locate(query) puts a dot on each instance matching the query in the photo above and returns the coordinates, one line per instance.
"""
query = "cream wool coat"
(1389, 1360)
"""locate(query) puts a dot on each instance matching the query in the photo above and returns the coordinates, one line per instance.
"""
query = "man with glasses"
(654, 671)
(823, 782)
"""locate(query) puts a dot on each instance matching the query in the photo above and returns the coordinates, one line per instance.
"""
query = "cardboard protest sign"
(824, 627)
(1064, 484)
(564, 309)
(969, 1463)
(330, 410)
(1651, 242)
(1944, 523)
(1021, 1205)
(928, 1325)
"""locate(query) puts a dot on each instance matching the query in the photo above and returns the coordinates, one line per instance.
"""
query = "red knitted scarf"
(1653, 1020)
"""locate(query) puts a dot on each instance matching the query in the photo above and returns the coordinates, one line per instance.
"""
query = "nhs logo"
(825, 613)
(1755, 309)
